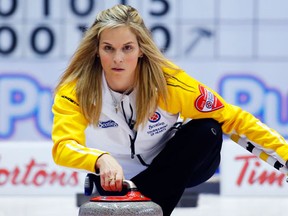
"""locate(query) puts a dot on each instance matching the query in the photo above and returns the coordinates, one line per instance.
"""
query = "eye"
(108, 48)
(127, 48)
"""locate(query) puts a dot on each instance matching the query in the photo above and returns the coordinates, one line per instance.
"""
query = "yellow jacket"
(187, 97)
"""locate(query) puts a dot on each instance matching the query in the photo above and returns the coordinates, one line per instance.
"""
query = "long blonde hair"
(86, 69)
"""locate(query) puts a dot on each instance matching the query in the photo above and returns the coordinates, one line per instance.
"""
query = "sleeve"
(195, 100)
(68, 134)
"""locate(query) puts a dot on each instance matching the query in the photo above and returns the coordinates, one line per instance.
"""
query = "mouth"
(117, 69)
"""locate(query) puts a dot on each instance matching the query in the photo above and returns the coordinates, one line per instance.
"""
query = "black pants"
(190, 158)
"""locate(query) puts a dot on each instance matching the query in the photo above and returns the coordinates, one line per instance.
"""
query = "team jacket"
(78, 145)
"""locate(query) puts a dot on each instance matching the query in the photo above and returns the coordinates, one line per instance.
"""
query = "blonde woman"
(117, 109)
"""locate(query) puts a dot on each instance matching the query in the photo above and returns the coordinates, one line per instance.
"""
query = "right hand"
(111, 173)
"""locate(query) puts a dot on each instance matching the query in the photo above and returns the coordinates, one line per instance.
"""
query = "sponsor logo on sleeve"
(207, 101)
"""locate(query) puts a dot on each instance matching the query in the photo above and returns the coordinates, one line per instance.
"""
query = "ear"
(140, 54)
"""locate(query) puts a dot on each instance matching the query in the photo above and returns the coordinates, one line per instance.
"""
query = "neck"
(116, 102)
(122, 91)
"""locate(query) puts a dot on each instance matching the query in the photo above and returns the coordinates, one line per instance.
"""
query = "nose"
(118, 57)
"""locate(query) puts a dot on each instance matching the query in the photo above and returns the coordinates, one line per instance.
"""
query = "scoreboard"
(52, 28)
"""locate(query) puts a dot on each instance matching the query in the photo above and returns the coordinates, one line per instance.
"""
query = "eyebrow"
(128, 43)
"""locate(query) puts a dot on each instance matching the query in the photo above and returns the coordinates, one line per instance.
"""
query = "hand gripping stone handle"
(91, 179)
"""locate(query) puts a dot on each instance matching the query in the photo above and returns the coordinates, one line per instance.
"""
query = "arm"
(69, 150)
(68, 133)
(195, 100)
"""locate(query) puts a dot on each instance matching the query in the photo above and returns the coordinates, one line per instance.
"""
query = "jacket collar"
(108, 108)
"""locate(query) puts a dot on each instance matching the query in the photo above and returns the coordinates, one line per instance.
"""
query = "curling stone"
(133, 203)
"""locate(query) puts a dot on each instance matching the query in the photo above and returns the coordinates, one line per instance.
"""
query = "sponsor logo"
(107, 124)
(155, 117)
(207, 101)
(252, 173)
(22, 98)
(156, 127)
(37, 174)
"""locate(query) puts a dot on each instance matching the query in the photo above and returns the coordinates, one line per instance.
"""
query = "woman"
(119, 103)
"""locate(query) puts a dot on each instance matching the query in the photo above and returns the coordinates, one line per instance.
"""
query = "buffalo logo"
(207, 101)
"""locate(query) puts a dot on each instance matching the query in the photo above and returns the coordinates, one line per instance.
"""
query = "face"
(119, 52)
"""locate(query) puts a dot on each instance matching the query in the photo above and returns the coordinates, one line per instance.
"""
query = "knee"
(201, 134)
(208, 126)
(204, 128)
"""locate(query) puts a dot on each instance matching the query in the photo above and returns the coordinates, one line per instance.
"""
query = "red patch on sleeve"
(207, 101)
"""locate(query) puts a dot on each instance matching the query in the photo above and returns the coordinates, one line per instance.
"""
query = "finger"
(106, 183)
(119, 182)
(112, 185)
(102, 181)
